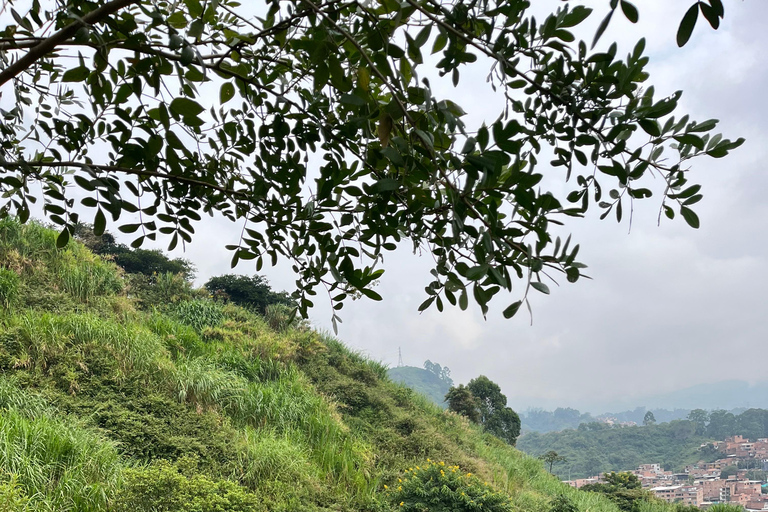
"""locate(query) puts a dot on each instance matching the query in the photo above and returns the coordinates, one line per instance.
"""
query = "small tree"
(649, 419)
(252, 292)
(551, 458)
(461, 401)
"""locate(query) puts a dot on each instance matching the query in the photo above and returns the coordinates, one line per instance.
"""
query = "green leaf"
(576, 16)
(685, 29)
(227, 92)
(185, 107)
(540, 287)
(689, 138)
(650, 127)
(690, 217)
(63, 239)
(601, 28)
(512, 309)
(76, 74)
(99, 223)
(370, 294)
(630, 11)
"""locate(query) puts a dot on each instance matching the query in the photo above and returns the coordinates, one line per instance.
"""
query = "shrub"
(440, 488)
(562, 503)
(12, 496)
(159, 289)
(726, 507)
(199, 314)
(163, 487)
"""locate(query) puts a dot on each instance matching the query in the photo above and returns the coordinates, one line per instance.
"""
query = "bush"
(440, 488)
(199, 314)
(12, 496)
(164, 487)
(562, 503)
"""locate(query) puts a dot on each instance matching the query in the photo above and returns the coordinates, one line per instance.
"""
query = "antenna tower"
(399, 357)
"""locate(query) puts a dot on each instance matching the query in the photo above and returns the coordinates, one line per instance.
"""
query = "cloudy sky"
(668, 306)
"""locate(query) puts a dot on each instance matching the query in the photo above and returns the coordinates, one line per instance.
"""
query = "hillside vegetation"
(421, 381)
(198, 406)
(596, 447)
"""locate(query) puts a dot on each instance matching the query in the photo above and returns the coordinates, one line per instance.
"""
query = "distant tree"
(252, 292)
(552, 457)
(461, 401)
(504, 423)
(150, 262)
(721, 424)
(624, 489)
(488, 394)
(682, 429)
(649, 419)
(495, 416)
(441, 372)
(728, 471)
(483, 402)
(700, 418)
(752, 423)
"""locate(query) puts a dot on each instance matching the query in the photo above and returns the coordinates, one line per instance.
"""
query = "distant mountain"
(422, 381)
(728, 394)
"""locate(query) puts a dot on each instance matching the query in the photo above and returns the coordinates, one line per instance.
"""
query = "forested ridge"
(597, 447)
(109, 401)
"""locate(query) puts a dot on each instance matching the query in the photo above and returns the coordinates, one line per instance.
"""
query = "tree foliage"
(252, 292)
(150, 262)
(622, 488)
(551, 458)
(483, 402)
(441, 372)
(315, 125)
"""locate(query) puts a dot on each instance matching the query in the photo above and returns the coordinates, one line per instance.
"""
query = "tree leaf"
(76, 74)
(690, 217)
(99, 223)
(630, 11)
(185, 107)
(512, 309)
(227, 92)
(602, 27)
(685, 29)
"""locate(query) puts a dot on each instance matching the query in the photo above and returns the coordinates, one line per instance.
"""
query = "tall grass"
(21, 244)
(45, 338)
(199, 313)
(9, 288)
(60, 467)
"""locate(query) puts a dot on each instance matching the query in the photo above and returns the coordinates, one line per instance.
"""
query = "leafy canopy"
(314, 125)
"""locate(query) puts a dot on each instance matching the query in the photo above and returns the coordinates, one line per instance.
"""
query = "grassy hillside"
(196, 406)
(421, 381)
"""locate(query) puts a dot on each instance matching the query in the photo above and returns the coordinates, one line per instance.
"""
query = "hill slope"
(197, 406)
(421, 381)
(596, 448)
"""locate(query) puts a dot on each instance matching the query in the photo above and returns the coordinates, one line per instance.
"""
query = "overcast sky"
(668, 306)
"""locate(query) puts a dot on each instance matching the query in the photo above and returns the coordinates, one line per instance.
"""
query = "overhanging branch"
(49, 44)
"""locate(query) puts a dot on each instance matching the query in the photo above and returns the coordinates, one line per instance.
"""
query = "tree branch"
(49, 44)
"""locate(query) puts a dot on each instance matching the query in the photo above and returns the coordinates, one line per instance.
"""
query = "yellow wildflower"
(385, 487)
(401, 503)
(400, 480)
(469, 474)
(399, 487)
